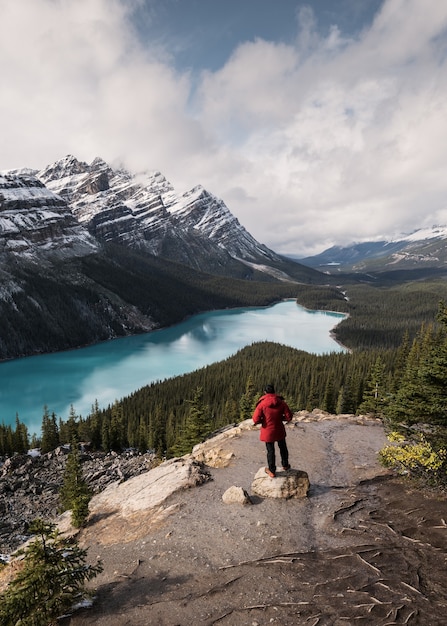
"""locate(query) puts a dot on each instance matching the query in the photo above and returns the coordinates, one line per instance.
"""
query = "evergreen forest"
(396, 369)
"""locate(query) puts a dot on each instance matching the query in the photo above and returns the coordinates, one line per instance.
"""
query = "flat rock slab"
(151, 489)
(290, 484)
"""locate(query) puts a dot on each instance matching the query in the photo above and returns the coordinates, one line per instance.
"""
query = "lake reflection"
(111, 370)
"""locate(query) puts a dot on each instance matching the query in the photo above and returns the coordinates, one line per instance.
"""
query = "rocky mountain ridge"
(423, 249)
(35, 222)
(89, 253)
(142, 211)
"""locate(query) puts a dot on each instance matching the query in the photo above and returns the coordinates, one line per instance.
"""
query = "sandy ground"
(362, 548)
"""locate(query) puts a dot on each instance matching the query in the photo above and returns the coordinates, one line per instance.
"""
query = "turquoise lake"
(108, 371)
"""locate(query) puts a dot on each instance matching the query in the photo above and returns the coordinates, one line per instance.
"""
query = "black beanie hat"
(269, 389)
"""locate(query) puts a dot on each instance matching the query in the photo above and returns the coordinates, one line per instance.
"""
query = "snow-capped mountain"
(88, 253)
(35, 221)
(425, 248)
(142, 211)
(207, 214)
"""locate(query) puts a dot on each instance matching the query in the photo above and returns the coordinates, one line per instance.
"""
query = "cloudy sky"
(318, 123)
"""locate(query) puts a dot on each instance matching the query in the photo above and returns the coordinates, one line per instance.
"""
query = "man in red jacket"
(270, 412)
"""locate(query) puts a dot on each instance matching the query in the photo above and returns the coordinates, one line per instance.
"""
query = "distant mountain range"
(88, 252)
(423, 249)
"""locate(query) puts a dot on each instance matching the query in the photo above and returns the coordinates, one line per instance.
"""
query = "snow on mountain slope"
(92, 188)
(421, 234)
(34, 220)
(209, 215)
(143, 211)
(423, 248)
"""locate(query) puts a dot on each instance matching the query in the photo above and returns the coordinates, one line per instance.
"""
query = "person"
(271, 410)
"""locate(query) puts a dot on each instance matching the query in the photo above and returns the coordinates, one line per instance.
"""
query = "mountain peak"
(420, 234)
(144, 211)
(65, 166)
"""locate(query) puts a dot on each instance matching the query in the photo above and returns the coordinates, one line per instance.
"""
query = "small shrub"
(416, 458)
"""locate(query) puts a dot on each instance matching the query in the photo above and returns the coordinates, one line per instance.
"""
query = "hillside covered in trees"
(397, 342)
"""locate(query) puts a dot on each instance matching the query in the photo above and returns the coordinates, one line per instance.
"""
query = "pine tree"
(231, 411)
(50, 432)
(69, 430)
(409, 404)
(329, 397)
(157, 432)
(117, 438)
(142, 440)
(433, 375)
(400, 362)
(312, 398)
(75, 494)
(20, 437)
(345, 401)
(374, 397)
(105, 434)
(50, 580)
(247, 401)
(172, 430)
(6, 440)
(94, 422)
(197, 425)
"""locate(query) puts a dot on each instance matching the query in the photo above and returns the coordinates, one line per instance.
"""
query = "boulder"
(236, 495)
(290, 484)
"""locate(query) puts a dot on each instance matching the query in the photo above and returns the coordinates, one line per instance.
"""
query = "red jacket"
(270, 412)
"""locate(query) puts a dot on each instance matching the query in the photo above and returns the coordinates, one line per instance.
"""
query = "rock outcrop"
(212, 452)
(128, 495)
(150, 489)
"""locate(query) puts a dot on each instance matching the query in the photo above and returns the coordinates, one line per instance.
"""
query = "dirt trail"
(363, 548)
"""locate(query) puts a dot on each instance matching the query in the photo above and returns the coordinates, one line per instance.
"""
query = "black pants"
(271, 457)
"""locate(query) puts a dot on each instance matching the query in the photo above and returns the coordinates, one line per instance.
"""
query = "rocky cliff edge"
(362, 547)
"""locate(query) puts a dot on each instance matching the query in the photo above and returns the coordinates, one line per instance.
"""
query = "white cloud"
(359, 138)
(328, 140)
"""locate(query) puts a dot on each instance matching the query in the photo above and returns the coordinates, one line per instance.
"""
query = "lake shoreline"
(185, 319)
(108, 371)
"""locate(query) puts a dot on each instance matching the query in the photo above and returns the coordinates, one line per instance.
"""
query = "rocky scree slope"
(30, 485)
